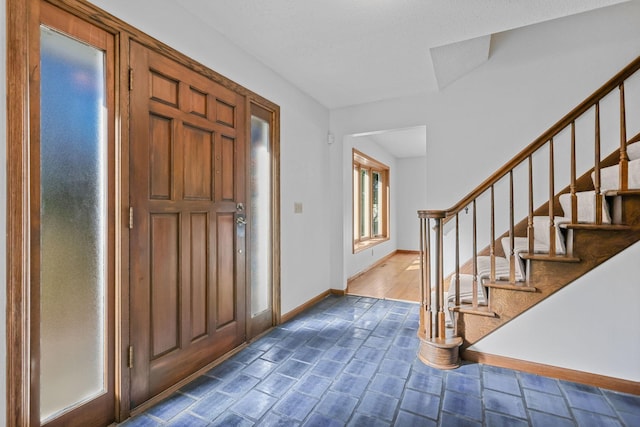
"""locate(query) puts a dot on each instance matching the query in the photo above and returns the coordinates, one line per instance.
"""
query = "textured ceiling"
(351, 52)
(401, 143)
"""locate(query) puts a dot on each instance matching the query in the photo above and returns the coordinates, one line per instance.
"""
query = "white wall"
(3, 213)
(590, 325)
(304, 150)
(411, 193)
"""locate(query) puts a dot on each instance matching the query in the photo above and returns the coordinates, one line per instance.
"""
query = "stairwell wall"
(590, 325)
(411, 178)
(534, 77)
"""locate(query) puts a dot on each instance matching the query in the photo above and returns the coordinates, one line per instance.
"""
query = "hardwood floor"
(396, 278)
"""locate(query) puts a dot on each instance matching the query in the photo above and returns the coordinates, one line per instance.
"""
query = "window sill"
(361, 246)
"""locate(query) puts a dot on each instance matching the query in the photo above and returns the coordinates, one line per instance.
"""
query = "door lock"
(241, 220)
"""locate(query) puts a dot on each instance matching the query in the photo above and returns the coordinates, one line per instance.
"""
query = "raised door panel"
(163, 89)
(198, 157)
(165, 293)
(227, 168)
(199, 266)
(160, 159)
(226, 294)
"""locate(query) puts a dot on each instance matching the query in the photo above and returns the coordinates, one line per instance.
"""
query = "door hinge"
(130, 217)
(130, 361)
(130, 78)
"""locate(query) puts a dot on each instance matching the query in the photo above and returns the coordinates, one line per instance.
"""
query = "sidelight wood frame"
(80, 413)
(22, 26)
(258, 325)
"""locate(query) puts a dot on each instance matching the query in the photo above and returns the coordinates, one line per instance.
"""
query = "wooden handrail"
(538, 143)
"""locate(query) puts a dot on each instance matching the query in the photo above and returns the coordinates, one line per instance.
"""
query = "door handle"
(241, 220)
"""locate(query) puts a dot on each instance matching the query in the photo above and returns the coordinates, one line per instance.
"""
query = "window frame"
(363, 239)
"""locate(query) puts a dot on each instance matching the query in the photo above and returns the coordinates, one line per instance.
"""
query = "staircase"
(474, 281)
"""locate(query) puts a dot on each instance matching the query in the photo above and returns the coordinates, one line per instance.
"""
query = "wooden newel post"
(426, 324)
(435, 348)
(441, 331)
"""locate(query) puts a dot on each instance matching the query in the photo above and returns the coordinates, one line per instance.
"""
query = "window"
(370, 201)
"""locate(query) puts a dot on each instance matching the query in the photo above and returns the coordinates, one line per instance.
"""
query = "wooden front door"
(187, 241)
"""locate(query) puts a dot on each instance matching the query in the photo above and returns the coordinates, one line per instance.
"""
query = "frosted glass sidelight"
(260, 245)
(73, 223)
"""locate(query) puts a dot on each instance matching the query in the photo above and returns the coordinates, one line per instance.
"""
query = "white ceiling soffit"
(452, 61)
(401, 143)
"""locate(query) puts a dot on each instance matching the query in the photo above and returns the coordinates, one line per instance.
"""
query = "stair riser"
(594, 247)
(591, 246)
(627, 210)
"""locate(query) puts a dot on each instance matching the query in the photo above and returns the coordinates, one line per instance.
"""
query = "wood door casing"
(260, 322)
(187, 252)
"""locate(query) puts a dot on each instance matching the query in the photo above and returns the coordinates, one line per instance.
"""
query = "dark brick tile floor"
(351, 361)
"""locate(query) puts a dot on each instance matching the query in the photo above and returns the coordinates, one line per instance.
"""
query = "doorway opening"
(386, 267)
